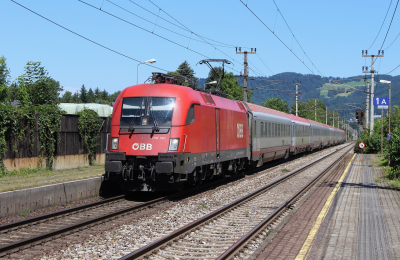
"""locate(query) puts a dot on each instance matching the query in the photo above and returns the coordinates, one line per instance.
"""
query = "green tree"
(114, 96)
(4, 79)
(35, 87)
(185, 70)
(75, 98)
(229, 84)
(67, 97)
(277, 104)
(90, 96)
(104, 95)
(83, 94)
(97, 93)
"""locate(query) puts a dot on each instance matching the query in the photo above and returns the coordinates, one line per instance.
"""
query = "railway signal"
(361, 117)
(357, 116)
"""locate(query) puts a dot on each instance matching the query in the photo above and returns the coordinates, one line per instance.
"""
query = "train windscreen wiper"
(155, 127)
(131, 128)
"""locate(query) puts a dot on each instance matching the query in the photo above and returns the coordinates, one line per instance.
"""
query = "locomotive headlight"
(173, 144)
(114, 143)
(144, 120)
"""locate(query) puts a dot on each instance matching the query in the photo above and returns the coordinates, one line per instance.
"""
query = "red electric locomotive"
(164, 135)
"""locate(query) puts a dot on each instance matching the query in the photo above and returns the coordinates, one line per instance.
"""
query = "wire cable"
(194, 33)
(186, 29)
(390, 24)
(296, 38)
(381, 25)
(155, 24)
(142, 28)
(77, 34)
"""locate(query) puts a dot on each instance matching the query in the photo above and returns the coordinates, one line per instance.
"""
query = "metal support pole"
(367, 107)
(297, 96)
(245, 78)
(246, 72)
(326, 116)
(315, 109)
(333, 118)
(372, 71)
(371, 126)
(390, 98)
(382, 131)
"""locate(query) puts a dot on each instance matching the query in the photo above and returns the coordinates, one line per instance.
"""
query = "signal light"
(357, 112)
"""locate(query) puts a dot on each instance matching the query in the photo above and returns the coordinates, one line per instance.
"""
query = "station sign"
(381, 101)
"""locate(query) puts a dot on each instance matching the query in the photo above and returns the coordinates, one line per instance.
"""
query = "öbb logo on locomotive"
(142, 146)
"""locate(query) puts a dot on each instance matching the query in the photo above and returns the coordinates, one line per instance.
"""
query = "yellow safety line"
(317, 224)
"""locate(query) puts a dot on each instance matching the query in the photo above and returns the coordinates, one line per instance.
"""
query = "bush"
(89, 124)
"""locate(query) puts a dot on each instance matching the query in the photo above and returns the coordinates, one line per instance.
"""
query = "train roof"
(266, 110)
(298, 119)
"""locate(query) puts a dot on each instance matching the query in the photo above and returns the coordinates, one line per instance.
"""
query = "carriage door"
(218, 131)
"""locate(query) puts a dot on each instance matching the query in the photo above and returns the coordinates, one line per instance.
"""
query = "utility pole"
(372, 71)
(297, 96)
(315, 109)
(333, 118)
(326, 115)
(367, 106)
(246, 74)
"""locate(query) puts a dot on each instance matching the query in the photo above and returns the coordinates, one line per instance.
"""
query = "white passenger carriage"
(301, 135)
(271, 134)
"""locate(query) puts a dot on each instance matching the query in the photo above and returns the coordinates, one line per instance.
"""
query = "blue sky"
(332, 34)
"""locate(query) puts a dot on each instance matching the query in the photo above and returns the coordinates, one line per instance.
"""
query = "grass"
(390, 175)
(326, 86)
(30, 178)
(285, 170)
(25, 212)
(202, 206)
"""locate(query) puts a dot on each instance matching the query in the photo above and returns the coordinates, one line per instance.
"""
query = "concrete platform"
(360, 219)
(14, 202)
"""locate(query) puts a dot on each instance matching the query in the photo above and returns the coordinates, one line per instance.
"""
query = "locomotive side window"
(190, 115)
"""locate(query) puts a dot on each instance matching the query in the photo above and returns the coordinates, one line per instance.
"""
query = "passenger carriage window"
(262, 129)
(269, 130)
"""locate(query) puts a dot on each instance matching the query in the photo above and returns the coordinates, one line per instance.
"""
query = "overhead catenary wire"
(381, 25)
(390, 24)
(195, 34)
(155, 24)
(183, 28)
(295, 38)
(119, 18)
(83, 37)
(162, 37)
(283, 42)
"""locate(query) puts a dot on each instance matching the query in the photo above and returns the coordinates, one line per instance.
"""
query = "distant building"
(100, 109)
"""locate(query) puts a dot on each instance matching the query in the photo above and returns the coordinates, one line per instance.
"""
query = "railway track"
(32, 231)
(223, 233)
(28, 234)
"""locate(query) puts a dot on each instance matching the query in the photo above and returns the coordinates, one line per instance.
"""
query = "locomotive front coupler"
(143, 176)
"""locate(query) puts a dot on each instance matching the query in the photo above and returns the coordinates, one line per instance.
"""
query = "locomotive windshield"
(143, 111)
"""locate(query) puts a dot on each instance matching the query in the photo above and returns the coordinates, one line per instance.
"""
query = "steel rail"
(238, 246)
(22, 244)
(16, 224)
(34, 240)
(143, 251)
